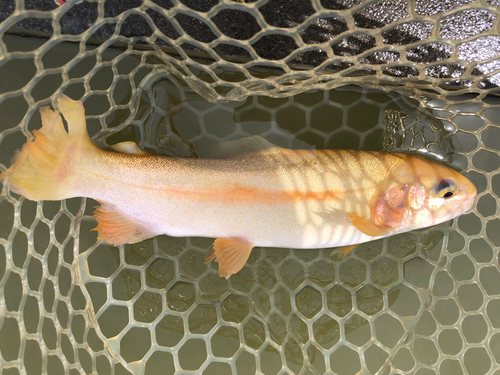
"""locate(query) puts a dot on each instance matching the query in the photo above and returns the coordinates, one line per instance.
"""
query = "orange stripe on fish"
(240, 194)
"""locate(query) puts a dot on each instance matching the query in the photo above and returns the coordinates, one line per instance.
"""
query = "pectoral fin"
(231, 254)
(343, 251)
(366, 227)
(116, 228)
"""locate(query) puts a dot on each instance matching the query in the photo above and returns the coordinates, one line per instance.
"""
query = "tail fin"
(41, 168)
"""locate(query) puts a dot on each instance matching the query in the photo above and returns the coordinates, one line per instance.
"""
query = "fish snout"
(468, 202)
(471, 189)
(469, 192)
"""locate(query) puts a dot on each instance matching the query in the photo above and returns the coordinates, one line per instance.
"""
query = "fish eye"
(445, 189)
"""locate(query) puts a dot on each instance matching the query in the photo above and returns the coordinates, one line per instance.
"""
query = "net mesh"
(179, 77)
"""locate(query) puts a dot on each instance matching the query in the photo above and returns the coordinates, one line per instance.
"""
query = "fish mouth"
(461, 207)
(464, 206)
(469, 193)
(468, 202)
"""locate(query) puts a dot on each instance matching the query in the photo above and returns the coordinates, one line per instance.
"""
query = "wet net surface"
(425, 302)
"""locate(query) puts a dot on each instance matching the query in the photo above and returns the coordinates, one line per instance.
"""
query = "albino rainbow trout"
(272, 197)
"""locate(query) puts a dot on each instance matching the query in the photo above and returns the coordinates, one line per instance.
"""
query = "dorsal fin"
(128, 148)
(238, 147)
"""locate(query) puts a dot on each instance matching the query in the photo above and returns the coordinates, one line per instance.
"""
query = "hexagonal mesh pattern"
(425, 302)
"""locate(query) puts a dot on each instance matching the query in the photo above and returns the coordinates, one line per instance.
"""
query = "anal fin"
(367, 227)
(116, 228)
(231, 254)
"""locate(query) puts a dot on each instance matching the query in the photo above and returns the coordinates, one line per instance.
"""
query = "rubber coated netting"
(180, 76)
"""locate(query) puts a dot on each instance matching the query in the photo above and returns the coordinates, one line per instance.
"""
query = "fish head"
(434, 193)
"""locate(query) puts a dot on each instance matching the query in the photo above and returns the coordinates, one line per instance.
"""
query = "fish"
(258, 194)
